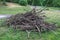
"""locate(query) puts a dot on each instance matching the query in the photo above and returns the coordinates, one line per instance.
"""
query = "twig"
(39, 30)
(28, 32)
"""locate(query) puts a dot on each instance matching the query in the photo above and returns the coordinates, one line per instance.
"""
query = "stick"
(39, 30)
(28, 32)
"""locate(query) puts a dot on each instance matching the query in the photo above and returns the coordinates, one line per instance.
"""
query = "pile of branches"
(32, 20)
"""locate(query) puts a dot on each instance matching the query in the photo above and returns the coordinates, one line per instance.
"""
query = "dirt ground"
(11, 5)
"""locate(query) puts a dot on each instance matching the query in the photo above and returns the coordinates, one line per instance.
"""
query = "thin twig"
(28, 32)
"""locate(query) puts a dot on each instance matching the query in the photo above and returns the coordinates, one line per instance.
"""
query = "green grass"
(10, 34)
(53, 16)
(53, 8)
(15, 10)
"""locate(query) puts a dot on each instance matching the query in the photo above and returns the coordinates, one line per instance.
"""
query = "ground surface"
(12, 5)
(53, 15)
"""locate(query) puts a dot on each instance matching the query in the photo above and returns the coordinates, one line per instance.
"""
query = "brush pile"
(30, 21)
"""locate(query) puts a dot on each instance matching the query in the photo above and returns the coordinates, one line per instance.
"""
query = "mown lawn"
(10, 34)
(14, 10)
(53, 16)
